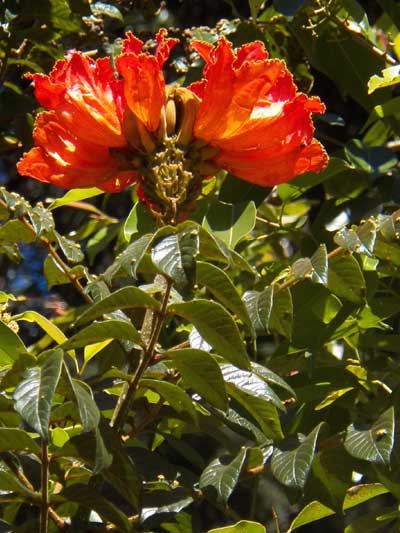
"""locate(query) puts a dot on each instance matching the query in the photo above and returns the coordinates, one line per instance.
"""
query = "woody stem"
(151, 329)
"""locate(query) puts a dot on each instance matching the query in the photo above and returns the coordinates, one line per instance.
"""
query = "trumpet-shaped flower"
(109, 128)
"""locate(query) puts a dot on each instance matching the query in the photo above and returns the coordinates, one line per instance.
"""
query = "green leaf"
(34, 395)
(282, 313)
(251, 384)
(362, 493)
(129, 260)
(11, 345)
(346, 279)
(315, 268)
(259, 307)
(271, 377)
(174, 395)
(118, 468)
(244, 526)
(201, 373)
(70, 249)
(42, 221)
(292, 467)
(222, 476)
(55, 275)
(374, 443)
(125, 298)
(310, 513)
(100, 331)
(91, 499)
(15, 231)
(12, 439)
(390, 76)
(222, 288)
(51, 329)
(139, 220)
(106, 10)
(216, 326)
(175, 256)
(75, 195)
(230, 222)
(263, 412)
(88, 411)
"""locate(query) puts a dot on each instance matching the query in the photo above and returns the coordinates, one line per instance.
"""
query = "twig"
(44, 507)
(64, 267)
(123, 404)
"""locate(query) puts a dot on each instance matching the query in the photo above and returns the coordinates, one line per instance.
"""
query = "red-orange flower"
(245, 116)
(73, 140)
(251, 111)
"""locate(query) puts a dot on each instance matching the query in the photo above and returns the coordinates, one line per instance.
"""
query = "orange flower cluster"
(109, 129)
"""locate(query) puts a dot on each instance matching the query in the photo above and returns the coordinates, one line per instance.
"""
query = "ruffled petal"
(250, 52)
(164, 46)
(62, 159)
(131, 44)
(251, 111)
(144, 87)
(268, 168)
(86, 96)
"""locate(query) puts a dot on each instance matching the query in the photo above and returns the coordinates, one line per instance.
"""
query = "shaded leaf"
(216, 326)
(292, 467)
(100, 331)
(201, 373)
(93, 500)
(230, 222)
(259, 307)
(251, 384)
(174, 395)
(174, 255)
(373, 444)
(223, 477)
(125, 298)
(13, 439)
(34, 395)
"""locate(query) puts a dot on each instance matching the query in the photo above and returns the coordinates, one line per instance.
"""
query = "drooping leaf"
(223, 477)
(11, 345)
(70, 249)
(174, 255)
(100, 331)
(216, 326)
(201, 373)
(251, 384)
(222, 288)
(125, 298)
(88, 411)
(174, 395)
(346, 279)
(13, 439)
(291, 467)
(259, 307)
(93, 500)
(374, 443)
(34, 395)
(129, 260)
